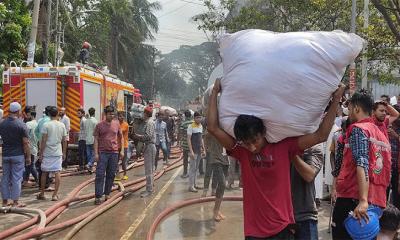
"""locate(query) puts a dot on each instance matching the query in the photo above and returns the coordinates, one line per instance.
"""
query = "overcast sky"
(175, 25)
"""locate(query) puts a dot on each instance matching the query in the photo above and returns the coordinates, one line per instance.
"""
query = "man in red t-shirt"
(384, 115)
(267, 203)
(107, 134)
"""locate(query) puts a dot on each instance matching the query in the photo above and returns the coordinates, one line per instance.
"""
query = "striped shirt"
(183, 134)
(359, 145)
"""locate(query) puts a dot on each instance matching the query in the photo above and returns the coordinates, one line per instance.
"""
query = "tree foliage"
(15, 24)
(309, 15)
(116, 29)
(390, 10)
(183, 74)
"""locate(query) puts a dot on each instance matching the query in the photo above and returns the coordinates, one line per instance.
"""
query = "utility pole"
(46, 42)
(57, 36)
(364, 71)
(152, 74)
(32, 38)
(352, 70)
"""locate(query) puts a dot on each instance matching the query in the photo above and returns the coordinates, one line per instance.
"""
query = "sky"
(175, 25)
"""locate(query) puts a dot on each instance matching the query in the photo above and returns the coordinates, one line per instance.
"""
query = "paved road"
(132, 217)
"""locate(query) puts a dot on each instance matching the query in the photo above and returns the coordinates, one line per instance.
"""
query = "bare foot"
(217, 218)
(221, 216)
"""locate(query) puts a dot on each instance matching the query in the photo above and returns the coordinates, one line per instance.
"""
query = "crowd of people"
(279, 198)
(278, 179)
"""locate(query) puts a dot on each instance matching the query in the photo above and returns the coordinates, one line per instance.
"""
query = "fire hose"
(58, 208)
(37, 232)
(39, 212)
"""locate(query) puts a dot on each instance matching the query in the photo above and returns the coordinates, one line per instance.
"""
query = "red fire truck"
(72, 86)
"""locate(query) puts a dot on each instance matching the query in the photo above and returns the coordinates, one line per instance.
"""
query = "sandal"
(19, 205)
(40, 197)
(55, 198)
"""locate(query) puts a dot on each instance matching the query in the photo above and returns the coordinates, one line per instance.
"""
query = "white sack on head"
(137, 110)
(171, 110)
(286, 79)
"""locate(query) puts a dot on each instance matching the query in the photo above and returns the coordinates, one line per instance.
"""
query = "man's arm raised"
(393, 113)
(213, 127)
(309, 140)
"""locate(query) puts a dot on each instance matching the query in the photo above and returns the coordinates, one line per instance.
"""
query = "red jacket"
(379, 166)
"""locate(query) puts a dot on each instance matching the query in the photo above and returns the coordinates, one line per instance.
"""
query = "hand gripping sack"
(286, 79)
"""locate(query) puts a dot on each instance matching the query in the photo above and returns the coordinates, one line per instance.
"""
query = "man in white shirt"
(67, 123)
(52, 151)
(82, 139)
(31, 125)
(90, 125)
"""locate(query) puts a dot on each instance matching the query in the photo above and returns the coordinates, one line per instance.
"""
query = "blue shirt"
(161, 132)
(12, 131)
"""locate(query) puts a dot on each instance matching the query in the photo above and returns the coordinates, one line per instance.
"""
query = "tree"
(307, 15)
(390, 10)
(180, 75)
(15, 24)
(115, 28)
(195, 63)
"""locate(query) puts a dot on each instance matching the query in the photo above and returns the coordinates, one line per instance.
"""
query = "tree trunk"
(382, 9)
(114, 45)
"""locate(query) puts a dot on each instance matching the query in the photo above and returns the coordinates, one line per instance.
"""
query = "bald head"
(62, 111)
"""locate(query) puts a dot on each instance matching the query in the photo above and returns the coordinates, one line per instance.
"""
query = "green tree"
(308, 15)
(195, 63)
(390, 10)
(15, 24)
(117, 30)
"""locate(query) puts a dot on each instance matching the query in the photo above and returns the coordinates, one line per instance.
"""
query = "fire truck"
(72, 86)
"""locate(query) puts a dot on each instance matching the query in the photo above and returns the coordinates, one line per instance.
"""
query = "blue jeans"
(307, 230)
(31, 169)
(90, 154)
(106, 168)
(164, 148)
(13, 169)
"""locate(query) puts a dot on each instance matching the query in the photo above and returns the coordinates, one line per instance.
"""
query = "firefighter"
(84, 53)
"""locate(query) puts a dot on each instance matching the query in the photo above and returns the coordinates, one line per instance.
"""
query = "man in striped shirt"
(183, 141)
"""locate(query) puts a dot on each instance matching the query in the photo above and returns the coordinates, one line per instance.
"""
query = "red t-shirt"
(108, 134)
(267, 200)
(383, 126)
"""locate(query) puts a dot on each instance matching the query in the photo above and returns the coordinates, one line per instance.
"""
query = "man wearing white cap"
(15, 154)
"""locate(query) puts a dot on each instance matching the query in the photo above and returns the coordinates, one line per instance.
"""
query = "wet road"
(133, 216)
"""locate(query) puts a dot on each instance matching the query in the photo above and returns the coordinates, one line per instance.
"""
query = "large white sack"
(172, 111)
(218, 72)
(286, 79)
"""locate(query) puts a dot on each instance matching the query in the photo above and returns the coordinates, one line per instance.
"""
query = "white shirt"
(82, 133)
(90, 125)
(67, 123)
(33, 141)
(55, 131)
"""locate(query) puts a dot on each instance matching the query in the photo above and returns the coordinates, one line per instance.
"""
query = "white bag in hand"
(286, 79)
